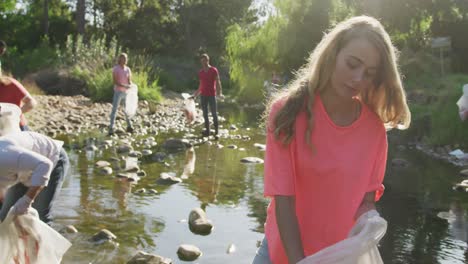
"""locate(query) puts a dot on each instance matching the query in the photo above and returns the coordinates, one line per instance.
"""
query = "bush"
(147, 89)
(434, 111)
(22, 62)
(99, 82)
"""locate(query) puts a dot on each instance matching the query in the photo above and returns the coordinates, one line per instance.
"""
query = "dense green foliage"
(294, 28)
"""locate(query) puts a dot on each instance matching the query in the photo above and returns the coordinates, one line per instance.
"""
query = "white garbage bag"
(190, 110)
(26, 239)
(131, 100)
(359, 248)
(463, 104)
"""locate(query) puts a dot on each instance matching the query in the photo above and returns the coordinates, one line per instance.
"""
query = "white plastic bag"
(359, 248)
(26, 239)
(189, 109)
(131, 100)
(463, 104)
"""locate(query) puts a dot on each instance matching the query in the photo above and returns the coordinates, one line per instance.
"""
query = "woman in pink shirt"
(326, 141)
(122, 76)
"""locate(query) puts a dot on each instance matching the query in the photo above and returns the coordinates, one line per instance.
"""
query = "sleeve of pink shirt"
(279, 176)
(378, 171)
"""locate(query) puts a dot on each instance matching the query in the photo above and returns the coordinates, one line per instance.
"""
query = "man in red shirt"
(209, 87)
(13, 92)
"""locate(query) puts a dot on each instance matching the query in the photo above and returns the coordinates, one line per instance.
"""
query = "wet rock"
(146, 152)
(462, 186)
(105, 170)
(199, 223)
(132, 168)
(261, 147)
(168, 178)
(70, 229)
(102, 163)
(188, 252)
(152, 191)
(464, 173)
(103, 236)
(231, 249)
(145, 258)
(141, 191)
(400, 163)
(124, 149)
(176, 144)
(401, 147)
(132, 177)
(252, 160)
(135, 154)
(141, 173)
(158, 157)
(233, 127)
(91, 148)
(232, 146)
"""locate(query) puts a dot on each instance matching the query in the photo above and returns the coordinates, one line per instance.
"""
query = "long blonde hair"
(387, 99)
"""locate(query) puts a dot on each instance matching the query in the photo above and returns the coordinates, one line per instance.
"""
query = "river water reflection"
(427, 220)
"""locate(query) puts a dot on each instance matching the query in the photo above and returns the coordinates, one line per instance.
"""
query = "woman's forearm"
(288, 228)
(33, 191)
(367, 204)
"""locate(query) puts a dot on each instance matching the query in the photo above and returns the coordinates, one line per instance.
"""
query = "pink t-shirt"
(208, 81)
(329, 182)
(122, 75)
(14, 93)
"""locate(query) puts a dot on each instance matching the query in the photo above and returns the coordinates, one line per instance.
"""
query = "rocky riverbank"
(77, 114)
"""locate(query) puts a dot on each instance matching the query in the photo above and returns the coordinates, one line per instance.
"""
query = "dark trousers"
(43, 202)
(205, 102)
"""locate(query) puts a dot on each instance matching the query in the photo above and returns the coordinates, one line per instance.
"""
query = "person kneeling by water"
(37, 162)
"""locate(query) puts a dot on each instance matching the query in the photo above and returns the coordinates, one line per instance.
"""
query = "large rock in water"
(145, 258)
(199, 223)
(252, 160)
(464, 173)
(103, 236)
(188, 252)
(175, 144)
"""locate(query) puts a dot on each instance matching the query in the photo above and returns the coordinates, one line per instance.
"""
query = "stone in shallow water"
(188, 252)
(135, 154)
(231, 249)
(252, 160)
(464, 173)
(102, 163)
(199, 223)
(259, 146)
(70, 229)
(399, 163)
(103, 236)
(141, 191)
(145, 258)
(105, 170)
(146, 152)
(168, 178)
(176, 144)
(132, 177)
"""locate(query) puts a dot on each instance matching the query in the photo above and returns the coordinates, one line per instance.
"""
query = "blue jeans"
(119, 98)
(43, 202)
(262, 256)
(205, 102)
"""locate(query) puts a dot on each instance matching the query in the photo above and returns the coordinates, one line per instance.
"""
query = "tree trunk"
(80, 16)
(46, 18)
